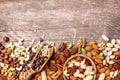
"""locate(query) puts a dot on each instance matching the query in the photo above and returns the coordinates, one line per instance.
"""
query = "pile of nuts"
(107, 62)
(78, 68)
(15, 59)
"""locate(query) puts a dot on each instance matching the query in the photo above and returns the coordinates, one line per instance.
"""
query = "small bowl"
(84, 56)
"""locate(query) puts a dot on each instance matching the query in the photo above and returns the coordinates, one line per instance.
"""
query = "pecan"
(62, 46)
(52, 67)
(74, 50)
(72, 70)
(66, 53)
(62, 58)
(56, 56)
(59, 66)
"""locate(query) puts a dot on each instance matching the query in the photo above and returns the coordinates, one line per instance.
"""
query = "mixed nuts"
(15, 60)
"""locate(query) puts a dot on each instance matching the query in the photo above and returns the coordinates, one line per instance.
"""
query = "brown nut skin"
(6, 39)
(18, 65)
(62, 46)
(6, 61)
(74, 50)
(10, 59)
(2, 54)
(1, 60)
(4, 50)
(6, 57)
(2, 47)
(9, 51)
(14, 58)
(66, 53)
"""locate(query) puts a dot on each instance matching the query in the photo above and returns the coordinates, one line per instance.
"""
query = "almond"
(100, 57)
(108, 78)
(95, 47)
(102, 70)
(107, 72)
(98, 60)
(117, 53)
(73, 78)
(89, 48)
(89, 54)
(91, 43)
(94, 53)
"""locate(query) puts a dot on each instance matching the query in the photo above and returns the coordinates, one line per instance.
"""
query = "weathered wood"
(66, 20)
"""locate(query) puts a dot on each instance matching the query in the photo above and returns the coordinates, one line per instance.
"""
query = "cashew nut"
(27, 58)
(19, 68)
(24, 54)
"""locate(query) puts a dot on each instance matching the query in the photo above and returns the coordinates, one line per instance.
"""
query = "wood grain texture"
(60, 20)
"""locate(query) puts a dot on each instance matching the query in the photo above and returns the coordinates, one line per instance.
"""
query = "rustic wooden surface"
(59, 20)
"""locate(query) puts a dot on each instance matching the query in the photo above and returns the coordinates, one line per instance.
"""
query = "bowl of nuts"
(79, 67)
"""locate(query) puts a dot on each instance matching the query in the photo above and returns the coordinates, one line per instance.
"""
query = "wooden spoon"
(31, 71)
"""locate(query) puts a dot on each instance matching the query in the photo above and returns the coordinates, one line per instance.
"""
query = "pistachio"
(69, 45)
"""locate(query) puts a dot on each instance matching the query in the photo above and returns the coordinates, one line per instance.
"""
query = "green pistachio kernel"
(83, 50)
(52, 72)
(17, 56)
(12, 47)
(101, 54)
(65, 68)
(12, 69)
(70, 45)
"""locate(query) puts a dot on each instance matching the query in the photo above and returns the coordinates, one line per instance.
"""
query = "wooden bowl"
(84, 56)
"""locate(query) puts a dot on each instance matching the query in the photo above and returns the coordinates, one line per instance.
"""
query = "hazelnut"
(1, 60)
(0, 44)
(6, 56)
(6, 39)
(2, 54)
(6, 61)
(0, 68)
(4, 50)
(12, 64)
(2, 47)
(10, 59)
(17, 65)
(14, 58)
(9, 51)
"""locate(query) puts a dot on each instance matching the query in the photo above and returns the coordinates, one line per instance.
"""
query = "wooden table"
(59, 20)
